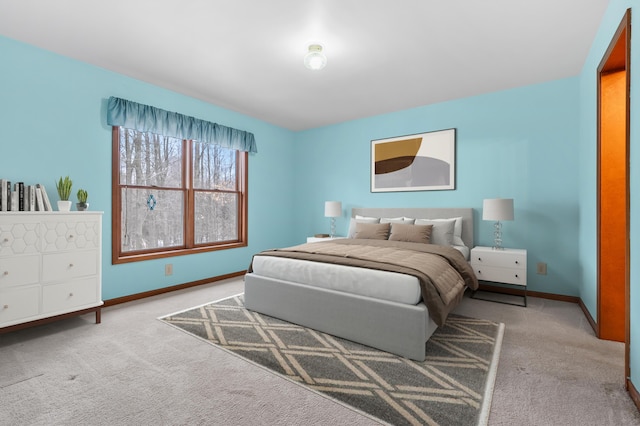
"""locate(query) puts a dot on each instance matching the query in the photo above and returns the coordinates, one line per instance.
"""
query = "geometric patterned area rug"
(453, 386)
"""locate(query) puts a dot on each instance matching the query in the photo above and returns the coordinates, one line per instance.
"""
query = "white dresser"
(50, 266)
(506, 266)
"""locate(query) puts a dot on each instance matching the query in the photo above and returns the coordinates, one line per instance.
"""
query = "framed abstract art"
(419, 162)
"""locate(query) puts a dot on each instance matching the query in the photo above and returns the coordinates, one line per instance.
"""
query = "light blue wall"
(587, 155)
(52, 114)
(517, 144)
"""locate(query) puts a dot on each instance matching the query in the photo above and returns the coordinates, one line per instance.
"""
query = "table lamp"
(497, 209)
(333, 209)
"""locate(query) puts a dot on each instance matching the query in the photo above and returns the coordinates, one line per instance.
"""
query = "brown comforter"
(443, 272)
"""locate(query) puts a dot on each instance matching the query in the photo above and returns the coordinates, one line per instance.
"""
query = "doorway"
(613, 189)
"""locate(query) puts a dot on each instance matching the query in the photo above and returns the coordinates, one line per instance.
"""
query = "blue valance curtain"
(145, 118)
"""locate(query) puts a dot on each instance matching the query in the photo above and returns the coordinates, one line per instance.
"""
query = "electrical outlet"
(541, 268)
(168, 269)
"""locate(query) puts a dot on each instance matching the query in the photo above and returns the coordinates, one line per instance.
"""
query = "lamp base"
(497, 236)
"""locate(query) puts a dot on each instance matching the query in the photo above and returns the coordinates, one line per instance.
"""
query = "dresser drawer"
(70, 295)
(19, 238)
(69, 265)
(501, 259)
(19, 270)
(71, 233)
(19, 303)
(500, 275)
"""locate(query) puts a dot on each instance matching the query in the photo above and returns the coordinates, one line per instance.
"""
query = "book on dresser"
(19, 188)
(39, 200)
(23, 197)
(14, 201)
(3, 195)
(45, 198)
(26, 203)
(30, 198)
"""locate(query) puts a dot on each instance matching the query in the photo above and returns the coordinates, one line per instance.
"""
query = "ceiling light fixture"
(315, 59)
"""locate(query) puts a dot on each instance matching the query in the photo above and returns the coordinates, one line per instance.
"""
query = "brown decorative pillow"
(372, 231)
(411, 233)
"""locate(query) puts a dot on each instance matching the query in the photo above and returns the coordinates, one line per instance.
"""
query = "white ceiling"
(383, 55)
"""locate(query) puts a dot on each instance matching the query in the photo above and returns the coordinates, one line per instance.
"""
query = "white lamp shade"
(332, 209)
(497, 209)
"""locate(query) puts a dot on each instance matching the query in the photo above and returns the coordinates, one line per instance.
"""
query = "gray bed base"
(389, 326)
(392, 327)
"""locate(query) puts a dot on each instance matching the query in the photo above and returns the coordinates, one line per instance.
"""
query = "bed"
(351, 297)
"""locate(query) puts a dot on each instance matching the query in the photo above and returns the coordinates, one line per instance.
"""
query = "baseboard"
(505, 290)
(550, 296)
(163, 290)
(633, 393)
(587, 314)
(519, 292)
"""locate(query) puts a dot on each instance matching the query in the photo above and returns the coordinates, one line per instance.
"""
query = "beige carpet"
(133, 369)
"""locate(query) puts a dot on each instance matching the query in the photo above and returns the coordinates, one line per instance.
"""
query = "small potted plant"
(82, 204)
(64, 192)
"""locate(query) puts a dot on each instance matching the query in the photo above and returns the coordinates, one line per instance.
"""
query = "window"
(175, 196)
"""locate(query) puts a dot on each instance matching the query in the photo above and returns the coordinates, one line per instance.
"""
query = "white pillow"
(404, 220)
(457, 230)
(442, 232)
(360, 219)
(368, 218)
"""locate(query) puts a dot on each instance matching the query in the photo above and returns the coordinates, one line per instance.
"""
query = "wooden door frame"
(615, 59)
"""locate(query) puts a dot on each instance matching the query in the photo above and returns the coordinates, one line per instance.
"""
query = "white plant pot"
(64, 206)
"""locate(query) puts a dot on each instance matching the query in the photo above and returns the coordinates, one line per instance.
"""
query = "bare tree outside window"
(215, 185)
(174, 195)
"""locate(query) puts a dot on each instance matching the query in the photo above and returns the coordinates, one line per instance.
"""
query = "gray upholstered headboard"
(425, 213)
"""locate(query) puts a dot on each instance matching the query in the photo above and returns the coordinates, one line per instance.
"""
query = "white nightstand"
(507, 266)
(316, 239)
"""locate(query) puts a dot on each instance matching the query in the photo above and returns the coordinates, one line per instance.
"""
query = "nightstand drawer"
(500, 259)
(500, 275)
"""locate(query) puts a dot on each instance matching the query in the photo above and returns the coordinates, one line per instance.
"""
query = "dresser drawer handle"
(479, 259)
(70, 294)
(517, 263)
(5, 307)
(6, 240)
(5, 273)
(71, 236)
(517, 276)
(71, 265)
